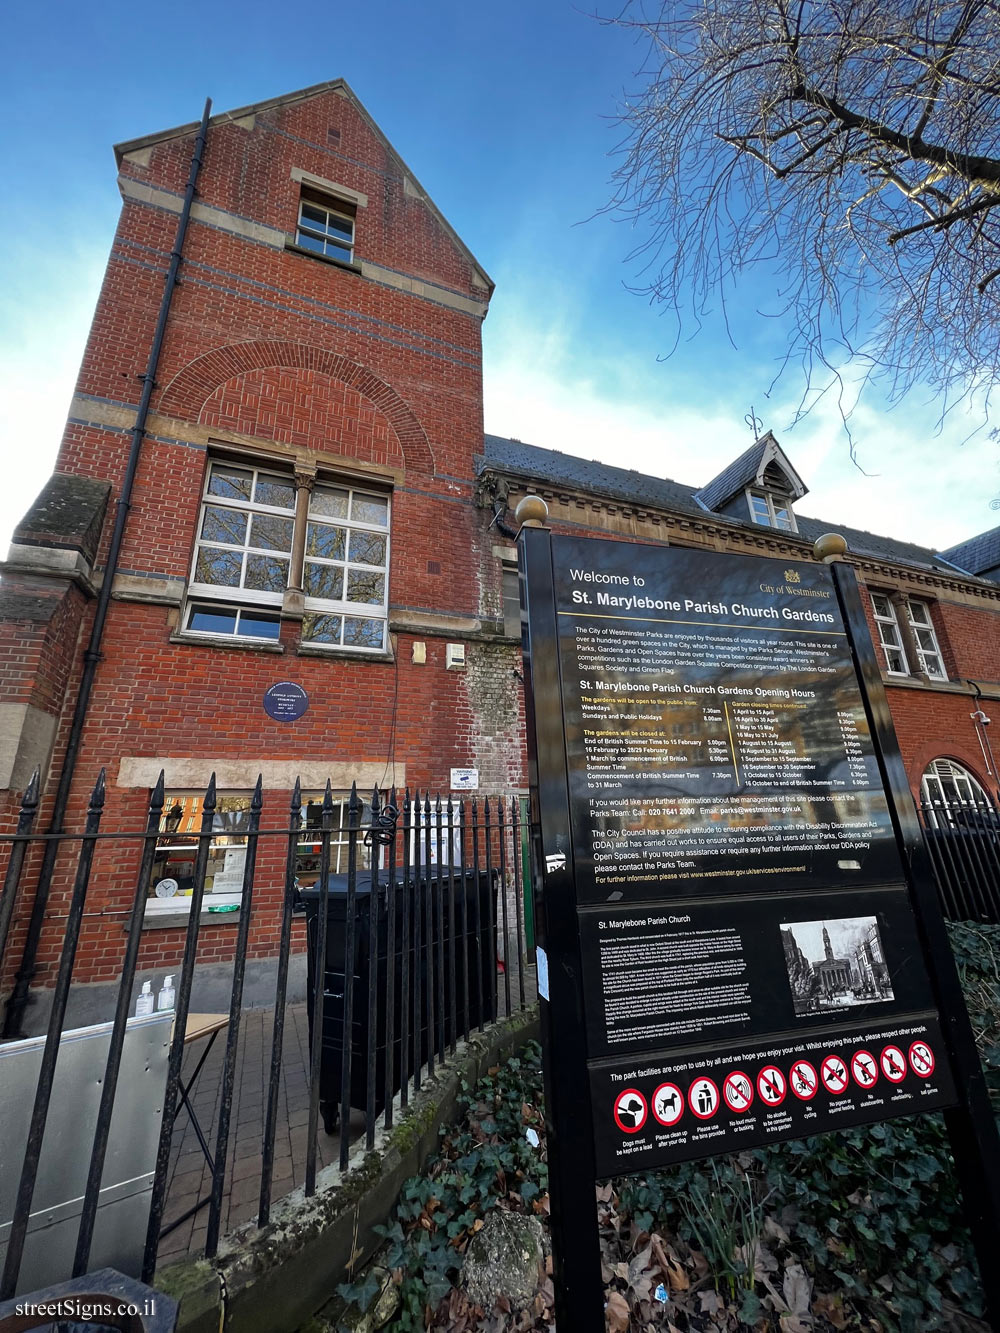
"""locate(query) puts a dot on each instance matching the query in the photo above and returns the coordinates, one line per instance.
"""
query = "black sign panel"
(742, 911)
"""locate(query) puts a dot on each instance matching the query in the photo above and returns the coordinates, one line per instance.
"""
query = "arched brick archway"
(188, 391)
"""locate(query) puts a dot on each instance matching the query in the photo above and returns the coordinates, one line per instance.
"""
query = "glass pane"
(325, 581)
(341, 227)
(363, 633)
(254, 625)
(367, 548)
(234, 483)
(321, 629)
(271, 533)
(221, 568)
(266, 574)
(277, 494)
(925, 639)
(232, 814)
(313, 213)
(918, 613)
(371, 509)
(228, 526)
(329, 502)
(309, 241)
(211, 620)
(889, 635)
(325, 540)
(881, 605)
(758, 510)
(365, 587)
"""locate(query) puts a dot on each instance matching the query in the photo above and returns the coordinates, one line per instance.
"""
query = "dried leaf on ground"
(617, 1313)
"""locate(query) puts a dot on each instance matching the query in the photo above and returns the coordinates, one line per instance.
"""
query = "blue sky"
(506, 115)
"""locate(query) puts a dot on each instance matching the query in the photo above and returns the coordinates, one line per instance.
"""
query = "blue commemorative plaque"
(286, 701)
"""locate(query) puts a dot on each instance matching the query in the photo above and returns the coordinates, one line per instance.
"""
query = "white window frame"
(890, 636)
(308, 849)
(331, 245)
(773, 505)
(344, 608)
(968, 793)
(209, 596)
(928, 648)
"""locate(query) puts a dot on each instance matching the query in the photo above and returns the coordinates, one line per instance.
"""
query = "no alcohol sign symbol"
(922, 1059)
(864, 1069)
(771, 1085)
(893, 1063)
(630, 1111)
(737, 1091)
(668, 1104)
(803, 1080)
(703, 1098)
(833, 1072)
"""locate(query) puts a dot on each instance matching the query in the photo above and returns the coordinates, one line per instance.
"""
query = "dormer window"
(771, 511)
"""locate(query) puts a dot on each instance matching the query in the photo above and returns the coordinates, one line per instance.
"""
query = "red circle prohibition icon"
(630, 1111)
(833, 1072)
(803, 1080)
(864, 1069)
(893, 1063)
(771, 1085)
(737, 1091)
(922, 1059)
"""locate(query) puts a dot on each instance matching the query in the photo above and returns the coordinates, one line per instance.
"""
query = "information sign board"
(732, 953)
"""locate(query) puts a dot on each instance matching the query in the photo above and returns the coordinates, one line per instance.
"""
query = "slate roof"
(978, 553)
(555, 468)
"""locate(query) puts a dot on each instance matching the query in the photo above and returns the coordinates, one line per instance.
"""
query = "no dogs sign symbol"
(630, 1111)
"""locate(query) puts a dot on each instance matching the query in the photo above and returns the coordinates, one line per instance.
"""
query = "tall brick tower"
(303, 511)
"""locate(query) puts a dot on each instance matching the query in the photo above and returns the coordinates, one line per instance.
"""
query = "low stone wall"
(276, 1277)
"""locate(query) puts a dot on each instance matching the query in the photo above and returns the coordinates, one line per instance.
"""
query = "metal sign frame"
(563, 994)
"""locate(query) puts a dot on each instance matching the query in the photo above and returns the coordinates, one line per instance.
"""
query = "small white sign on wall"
(465, 779)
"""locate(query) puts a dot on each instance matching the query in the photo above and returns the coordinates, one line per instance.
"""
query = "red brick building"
(315, 503)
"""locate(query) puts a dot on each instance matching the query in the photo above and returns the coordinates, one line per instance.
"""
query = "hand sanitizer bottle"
(144, 1004)
(165, 999)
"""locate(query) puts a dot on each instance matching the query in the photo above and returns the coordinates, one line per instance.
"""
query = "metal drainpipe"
(19, 996)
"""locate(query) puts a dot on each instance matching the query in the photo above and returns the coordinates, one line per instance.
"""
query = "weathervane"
(754, 422)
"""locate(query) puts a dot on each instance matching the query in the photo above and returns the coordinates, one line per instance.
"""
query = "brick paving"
(189, 1177)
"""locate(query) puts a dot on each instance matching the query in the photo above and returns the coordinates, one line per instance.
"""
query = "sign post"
(738, 941)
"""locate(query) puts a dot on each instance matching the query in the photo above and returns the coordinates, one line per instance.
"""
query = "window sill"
(224, 641)
(349, 265)
(340, 655)
(179, 919)
(925, 683)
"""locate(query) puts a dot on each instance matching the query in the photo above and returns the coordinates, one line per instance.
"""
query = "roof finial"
(754, 422)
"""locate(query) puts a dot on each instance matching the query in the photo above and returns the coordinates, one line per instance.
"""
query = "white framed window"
(242, 552)
(928, 649)
(771, 510)
(889, 635)
(326, 226)
(345, 577)
(172, 882)
(243, 556)
(310, 846)
(954, 798)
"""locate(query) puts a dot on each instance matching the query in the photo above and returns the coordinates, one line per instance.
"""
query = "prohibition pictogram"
(668, 1104)
(771, 1085)
(893, 1063)
(833, 1072)
(864, 1069)
(922, 1059)
(737, 1091)
(630, 1110)
(703, 1098)
(803, 1080)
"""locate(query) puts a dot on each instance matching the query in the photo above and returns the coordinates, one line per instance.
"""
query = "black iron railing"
(963, 838)
(402, 953)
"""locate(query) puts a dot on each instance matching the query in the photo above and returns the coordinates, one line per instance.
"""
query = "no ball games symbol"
(737, 1091)
(630, 1111)
(922, 1059)
(864, 1069)
(771, 1085)
(833, 1072)
(893, 1063)
(668, 1104)
(703, 1098)
(803, 1080)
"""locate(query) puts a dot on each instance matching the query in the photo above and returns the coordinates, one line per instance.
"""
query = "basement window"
(326, 225)
(172, 881)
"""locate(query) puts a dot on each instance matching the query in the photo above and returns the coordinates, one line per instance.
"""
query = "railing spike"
(257, 799)
(210, 800)
(98, 794)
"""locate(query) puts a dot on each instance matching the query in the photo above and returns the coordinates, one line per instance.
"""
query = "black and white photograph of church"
(835, 964)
